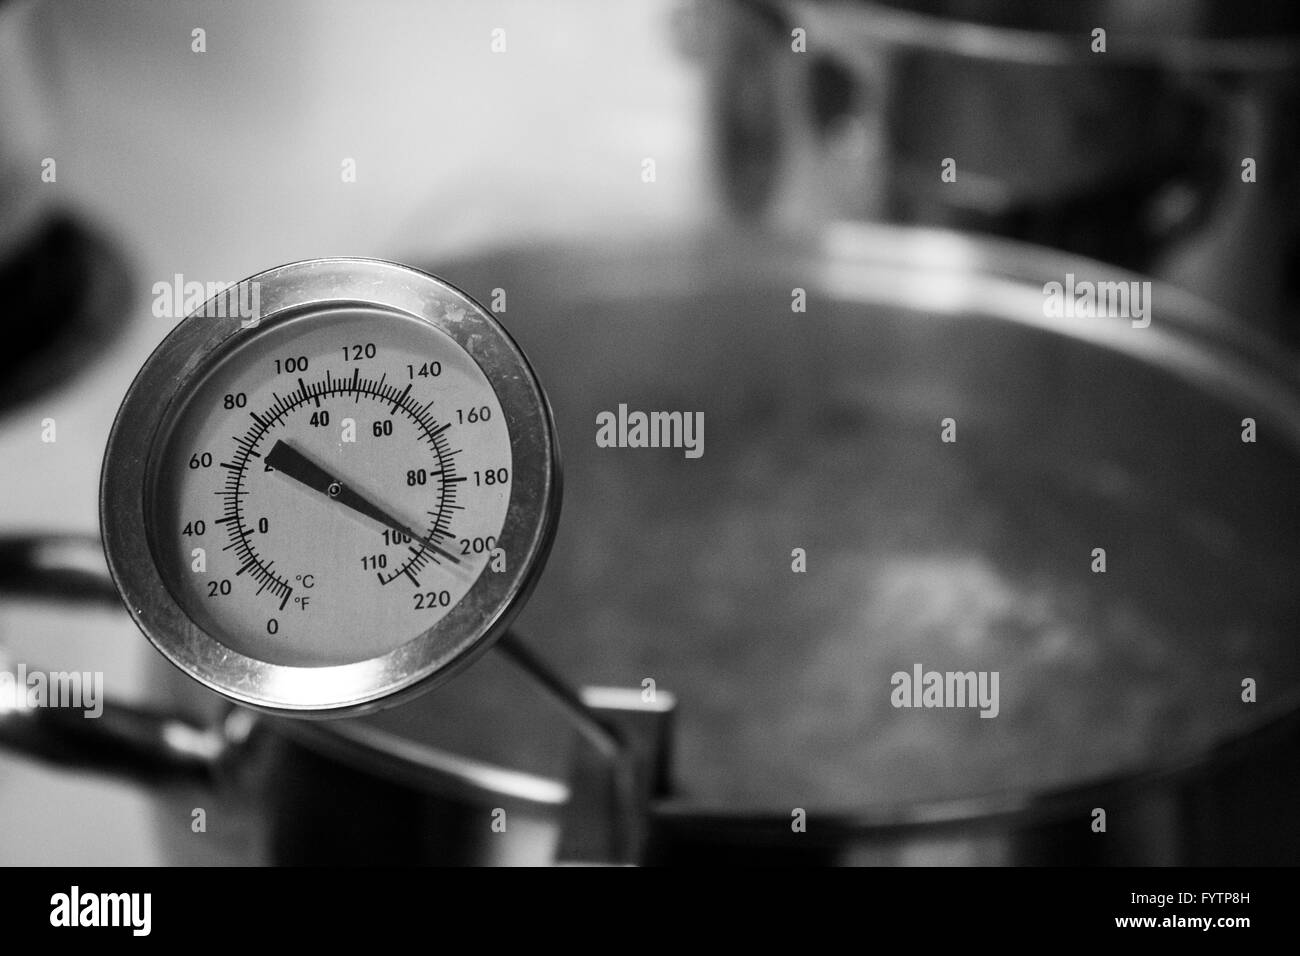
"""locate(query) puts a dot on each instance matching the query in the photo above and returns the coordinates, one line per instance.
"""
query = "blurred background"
(219, 163)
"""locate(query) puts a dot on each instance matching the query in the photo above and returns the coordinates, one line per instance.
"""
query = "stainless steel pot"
(1121, 691)
(1132, 155)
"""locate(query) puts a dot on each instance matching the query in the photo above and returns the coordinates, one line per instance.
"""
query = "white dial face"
(332, 488)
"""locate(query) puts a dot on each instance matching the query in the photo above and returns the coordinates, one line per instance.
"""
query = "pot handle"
(136, 743)
(155, 747)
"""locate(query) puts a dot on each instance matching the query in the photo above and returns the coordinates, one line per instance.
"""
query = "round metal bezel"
(195, 346)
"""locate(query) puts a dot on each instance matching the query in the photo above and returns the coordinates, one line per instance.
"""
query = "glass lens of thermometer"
(327, 505)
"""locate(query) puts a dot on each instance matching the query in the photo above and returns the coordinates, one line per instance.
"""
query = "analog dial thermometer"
(330, 504)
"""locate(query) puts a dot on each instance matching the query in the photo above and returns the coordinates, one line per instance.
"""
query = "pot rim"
(953, 274)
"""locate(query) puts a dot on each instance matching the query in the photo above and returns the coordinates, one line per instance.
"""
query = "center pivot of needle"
(292, 463)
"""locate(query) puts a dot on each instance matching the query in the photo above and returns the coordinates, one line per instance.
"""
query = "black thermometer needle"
(293, 463)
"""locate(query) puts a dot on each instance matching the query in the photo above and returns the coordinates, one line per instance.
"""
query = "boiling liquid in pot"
(823, 433)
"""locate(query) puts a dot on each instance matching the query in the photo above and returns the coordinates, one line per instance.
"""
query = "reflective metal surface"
(1134, 133)
(824, 433)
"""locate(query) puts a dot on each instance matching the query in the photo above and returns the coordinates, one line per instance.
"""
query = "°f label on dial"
(332, 488)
